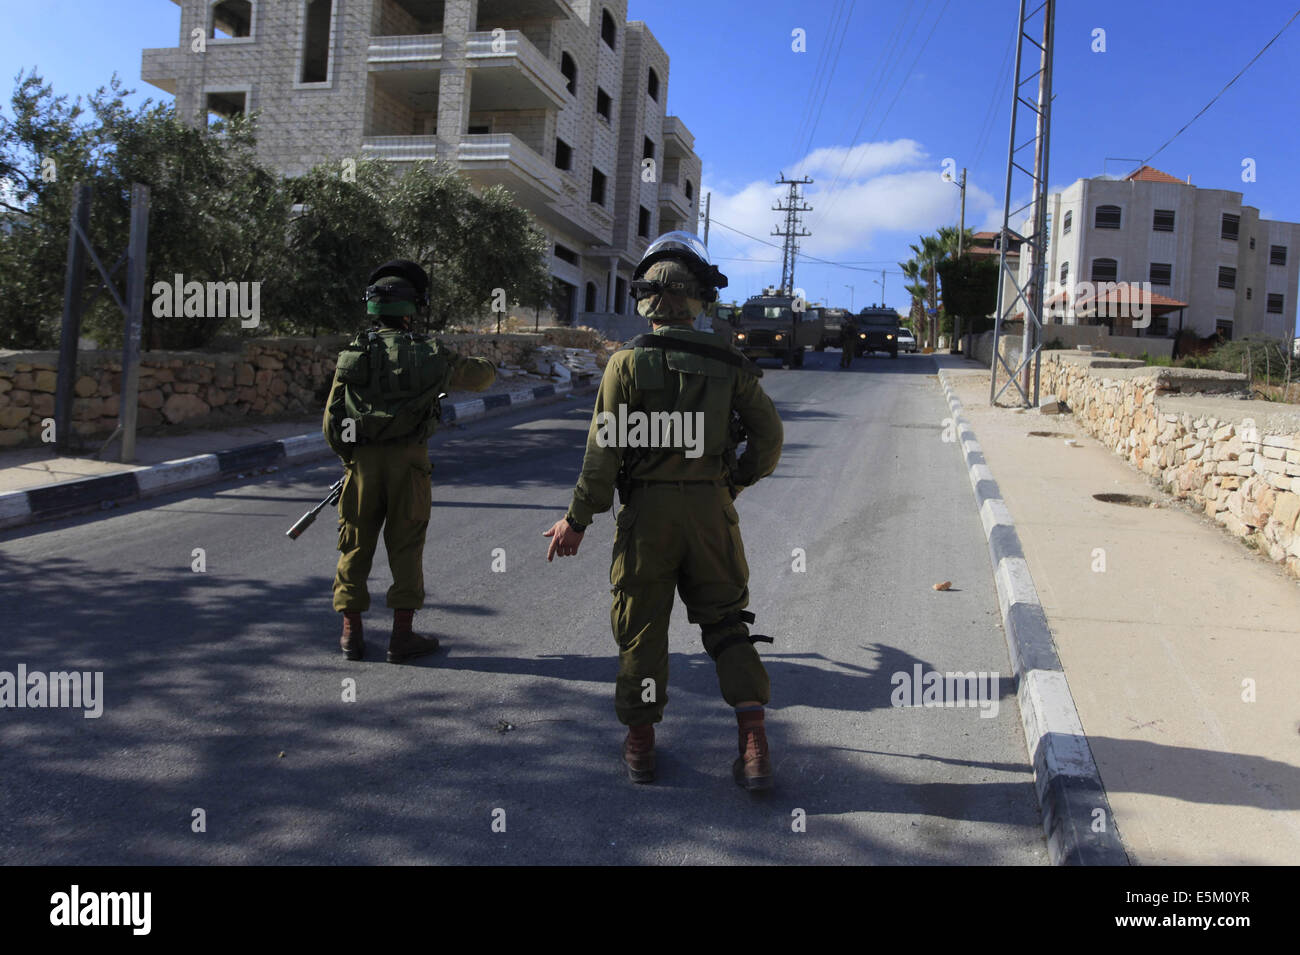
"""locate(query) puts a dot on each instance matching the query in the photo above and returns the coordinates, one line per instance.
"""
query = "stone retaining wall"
(268, 377)
(1239, 460)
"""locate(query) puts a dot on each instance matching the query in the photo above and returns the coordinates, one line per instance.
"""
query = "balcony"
(510, 73)
(424, 50)
(164, 67)
(673, 197)
(678, 141)
(502, 159)
(404, 148)
(491, 11)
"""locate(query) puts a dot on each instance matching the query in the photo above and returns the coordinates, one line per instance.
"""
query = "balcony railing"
(404, 148)
(405, 49)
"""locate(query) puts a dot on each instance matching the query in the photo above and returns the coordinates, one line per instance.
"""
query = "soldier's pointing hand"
(565, 541)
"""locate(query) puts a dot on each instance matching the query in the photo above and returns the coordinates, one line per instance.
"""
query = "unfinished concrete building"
(560, 101)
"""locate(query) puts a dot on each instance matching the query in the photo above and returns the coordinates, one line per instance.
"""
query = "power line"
(844, 32)
(1222, 91)
(822, 58)
(805, 255)
(887, 69)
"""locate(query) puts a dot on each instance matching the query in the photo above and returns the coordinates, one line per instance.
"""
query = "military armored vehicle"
(878, 330)
(769, 326)
(831, 320)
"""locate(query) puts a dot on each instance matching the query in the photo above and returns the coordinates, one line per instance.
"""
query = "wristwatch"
(579, 528)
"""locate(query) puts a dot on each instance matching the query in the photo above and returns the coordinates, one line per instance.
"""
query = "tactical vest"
(390, 388)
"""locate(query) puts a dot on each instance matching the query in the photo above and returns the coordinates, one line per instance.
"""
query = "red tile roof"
(1148, 174)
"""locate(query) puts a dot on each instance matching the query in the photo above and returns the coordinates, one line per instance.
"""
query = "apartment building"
(560, 101)
(1236, 272)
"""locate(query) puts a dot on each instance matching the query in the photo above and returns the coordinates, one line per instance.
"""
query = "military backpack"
(391, 389)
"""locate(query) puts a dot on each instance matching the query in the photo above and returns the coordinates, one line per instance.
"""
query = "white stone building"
(561, 101)
(1237, 273)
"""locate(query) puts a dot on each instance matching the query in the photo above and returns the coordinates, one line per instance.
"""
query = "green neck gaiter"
(390, 308)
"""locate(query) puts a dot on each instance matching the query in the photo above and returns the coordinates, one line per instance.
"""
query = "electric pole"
(793, 229)
(708, 202)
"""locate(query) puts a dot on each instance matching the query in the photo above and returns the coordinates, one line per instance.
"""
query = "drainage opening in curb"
(1049, 434)
(1132, 500)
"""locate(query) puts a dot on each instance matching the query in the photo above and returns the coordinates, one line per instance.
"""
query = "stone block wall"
(1238, 460)
(271, 377)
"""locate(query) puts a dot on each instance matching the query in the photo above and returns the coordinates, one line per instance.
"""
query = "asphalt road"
(223, 690)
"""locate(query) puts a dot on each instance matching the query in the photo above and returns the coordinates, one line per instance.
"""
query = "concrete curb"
(67, 498)
(1066, 777)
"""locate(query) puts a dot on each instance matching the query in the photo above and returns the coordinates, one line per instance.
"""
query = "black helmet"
(686, 248)
(413, 284)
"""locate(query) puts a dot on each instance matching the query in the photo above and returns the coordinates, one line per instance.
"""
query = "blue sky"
(915, 82)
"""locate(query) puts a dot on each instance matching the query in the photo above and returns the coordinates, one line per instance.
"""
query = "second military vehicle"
(878, 330)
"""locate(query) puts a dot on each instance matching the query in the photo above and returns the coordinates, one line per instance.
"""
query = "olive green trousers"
(683, 539)
(388, 486)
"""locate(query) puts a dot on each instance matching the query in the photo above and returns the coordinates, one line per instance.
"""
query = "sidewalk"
(1159, 618)
(35, 484)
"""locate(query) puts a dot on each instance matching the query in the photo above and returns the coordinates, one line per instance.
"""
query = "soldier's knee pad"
(737, 622)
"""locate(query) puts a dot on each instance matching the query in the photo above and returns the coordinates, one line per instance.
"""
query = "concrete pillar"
(459, 21)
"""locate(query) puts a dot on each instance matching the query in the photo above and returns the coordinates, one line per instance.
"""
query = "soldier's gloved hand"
(564, 540)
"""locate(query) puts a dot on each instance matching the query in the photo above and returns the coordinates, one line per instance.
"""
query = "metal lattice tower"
(1033, 180)
(793, 229)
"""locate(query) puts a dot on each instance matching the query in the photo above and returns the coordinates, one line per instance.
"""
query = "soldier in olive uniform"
(848, 341)
(381, 411)
(678, 529)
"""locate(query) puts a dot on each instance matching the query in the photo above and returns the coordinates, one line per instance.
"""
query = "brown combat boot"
(406, 644)
(353, 641)
(639, 753)
(752, 769)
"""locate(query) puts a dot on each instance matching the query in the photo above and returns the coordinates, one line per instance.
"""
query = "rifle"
(304, 522)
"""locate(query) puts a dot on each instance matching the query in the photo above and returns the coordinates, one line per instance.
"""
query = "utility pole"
(953, 348)
(708, 203)
(850, 288)
(1028, 297)
(792, 231)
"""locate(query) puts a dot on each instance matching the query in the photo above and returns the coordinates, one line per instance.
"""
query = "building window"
(1065, 272)
(1067, 223)
(1273, 303)
(1231, 227)
(602, 103)
(589, 303)
(620, 295)
(1277, 255)
(643, 222)
(566, 254)
(1108, 217)
(1250, 293)
(1160, 326)
(563, 154)
(690, 190)
(570, 70)
(1105, 270)
(1163, 220)
(230, 19)
(1224, 327)
(316, 42)
(652, 85)
(1252, 243)
(227, 105)
(479, 129)
(597, 186)
(648, 149)
(608, 32)
(1227, 277)
(1162, 273)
